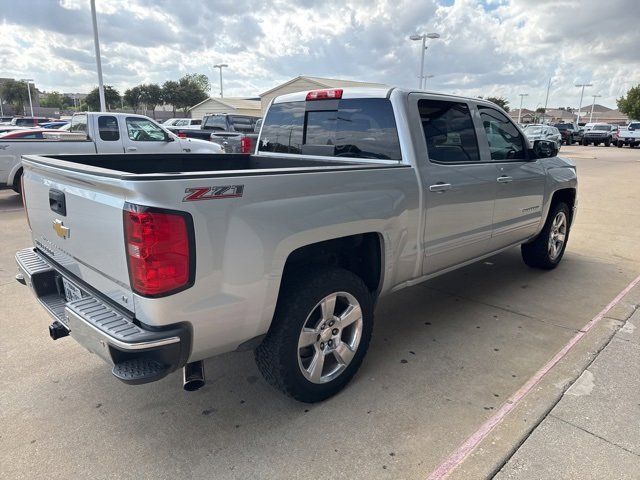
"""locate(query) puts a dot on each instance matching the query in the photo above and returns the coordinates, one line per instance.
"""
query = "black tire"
(584, 142)
(277, 355)
(619, 144)
(607, 143)
(570, 140)
(536, 253)
(17, 182)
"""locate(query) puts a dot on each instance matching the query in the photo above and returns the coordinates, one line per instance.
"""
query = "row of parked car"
(589, 134)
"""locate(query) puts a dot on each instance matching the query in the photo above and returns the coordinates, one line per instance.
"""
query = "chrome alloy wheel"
(330, 337)
(557, 235)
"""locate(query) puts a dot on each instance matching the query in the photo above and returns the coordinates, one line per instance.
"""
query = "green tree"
(151, 95)
(111, 98)
(540, 110)
(192, 89)
(170, 94)
(132, 97)
(500, 101)
(630, 104)
(53, 100)
(15, 94)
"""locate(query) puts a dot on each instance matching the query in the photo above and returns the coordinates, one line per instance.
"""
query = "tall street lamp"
(220, 66)
(593, 105)
(582, 85)
(425, 78)
(522, 95)
(28, 81)
(423, 37)
(96, 44)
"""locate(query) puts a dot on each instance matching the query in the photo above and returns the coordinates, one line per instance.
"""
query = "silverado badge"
(60, 229)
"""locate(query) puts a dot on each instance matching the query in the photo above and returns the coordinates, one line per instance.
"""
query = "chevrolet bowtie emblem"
(60, 229)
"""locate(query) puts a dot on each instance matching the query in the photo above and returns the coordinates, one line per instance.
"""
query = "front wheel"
(319, 335)
(607, 143)
(620, 144)
(584, 142)
(547, 249)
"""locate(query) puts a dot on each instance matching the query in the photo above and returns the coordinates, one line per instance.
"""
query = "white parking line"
(463, 451)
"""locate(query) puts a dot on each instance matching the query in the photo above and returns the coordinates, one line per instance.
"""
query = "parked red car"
(27, 133)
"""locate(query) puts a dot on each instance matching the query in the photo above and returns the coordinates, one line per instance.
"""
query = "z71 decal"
(212, 193)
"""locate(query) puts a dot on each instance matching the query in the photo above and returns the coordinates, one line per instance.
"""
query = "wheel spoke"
(560, 237)
(328, 306)
(350, 315)
(308, 337)
(317, 364)
(343, 354)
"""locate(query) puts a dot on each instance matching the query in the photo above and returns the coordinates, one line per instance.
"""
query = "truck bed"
(144, 166)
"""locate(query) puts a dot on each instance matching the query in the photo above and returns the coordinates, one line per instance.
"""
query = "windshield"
(601, 126)
(533, 130)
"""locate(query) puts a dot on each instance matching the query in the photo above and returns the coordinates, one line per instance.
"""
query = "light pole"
(593, 105)
(423, 49)
(28, 81)
(96, 44)
(522, 95)
(425, 78)
(220, 66)
(582, 85)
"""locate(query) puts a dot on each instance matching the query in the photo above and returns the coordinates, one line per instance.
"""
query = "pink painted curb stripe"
(459, 455)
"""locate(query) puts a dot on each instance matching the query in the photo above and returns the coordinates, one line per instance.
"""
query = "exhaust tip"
(193, 376)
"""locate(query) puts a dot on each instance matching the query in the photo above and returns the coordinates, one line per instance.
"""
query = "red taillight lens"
(245, 145)
(159, 250)
(182, 135)
(335, 93)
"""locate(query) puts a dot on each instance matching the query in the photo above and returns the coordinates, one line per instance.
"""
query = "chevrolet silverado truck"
(157, 262)
(98, 133)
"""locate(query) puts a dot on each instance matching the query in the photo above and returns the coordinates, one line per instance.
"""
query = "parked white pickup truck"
(629, 135)
(156, 262)
(100, 133)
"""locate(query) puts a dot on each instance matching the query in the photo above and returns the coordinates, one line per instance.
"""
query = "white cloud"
(488, 47)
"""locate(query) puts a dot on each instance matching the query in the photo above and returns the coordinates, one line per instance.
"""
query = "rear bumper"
(137, 353)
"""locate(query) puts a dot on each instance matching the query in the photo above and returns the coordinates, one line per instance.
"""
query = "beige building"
(304, 82)
(239, 106)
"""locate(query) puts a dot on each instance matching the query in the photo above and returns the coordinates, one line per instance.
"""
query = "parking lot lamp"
(522, 95)
(28, 82)
(593, 105)
(423, 49)
(96, 44)
(582, 85)
(220, 66)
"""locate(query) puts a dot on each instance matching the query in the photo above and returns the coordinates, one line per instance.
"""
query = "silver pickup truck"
(156, 262)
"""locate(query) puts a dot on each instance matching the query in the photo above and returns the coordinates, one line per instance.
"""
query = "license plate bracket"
(71, 292)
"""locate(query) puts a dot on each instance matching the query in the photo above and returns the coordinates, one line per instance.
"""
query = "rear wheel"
(319, 335)
(547, 249)
(17, 182)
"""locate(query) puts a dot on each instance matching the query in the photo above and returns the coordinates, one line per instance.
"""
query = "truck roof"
(377, 92)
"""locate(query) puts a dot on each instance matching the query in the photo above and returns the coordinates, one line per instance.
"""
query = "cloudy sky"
(487, 47)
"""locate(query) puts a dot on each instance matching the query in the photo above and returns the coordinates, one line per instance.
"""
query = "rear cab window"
(353, 128)
(108, 128)
(449, 131)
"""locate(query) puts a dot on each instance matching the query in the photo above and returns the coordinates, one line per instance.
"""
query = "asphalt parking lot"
(445, 356)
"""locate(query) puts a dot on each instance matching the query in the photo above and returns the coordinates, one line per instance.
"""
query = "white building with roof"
(238, 106)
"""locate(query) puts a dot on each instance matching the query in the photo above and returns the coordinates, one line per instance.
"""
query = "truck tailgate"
(77, 221)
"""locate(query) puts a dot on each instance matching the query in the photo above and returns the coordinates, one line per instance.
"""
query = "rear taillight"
(335, 93)
(182, 135)
(160, 250)
(245, 145)
(24, 200)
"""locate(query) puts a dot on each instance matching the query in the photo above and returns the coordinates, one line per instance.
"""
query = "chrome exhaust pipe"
(193, 376)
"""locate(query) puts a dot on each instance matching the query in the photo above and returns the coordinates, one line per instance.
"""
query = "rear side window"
(196, 122)
(356, 128)
(505, 141)
(108, 129)
(448, 131)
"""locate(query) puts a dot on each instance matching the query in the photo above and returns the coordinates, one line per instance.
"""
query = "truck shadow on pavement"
(454, 347)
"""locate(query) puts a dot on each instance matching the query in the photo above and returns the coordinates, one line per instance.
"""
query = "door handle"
(504, 179)
(132, 149)
(440, 187)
